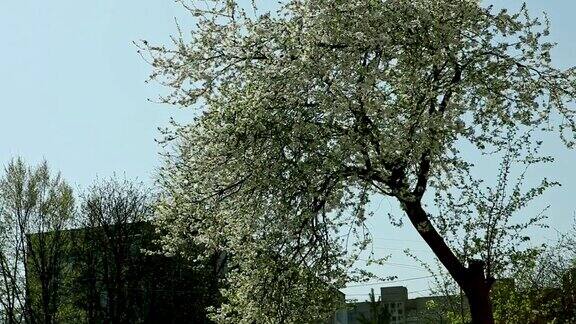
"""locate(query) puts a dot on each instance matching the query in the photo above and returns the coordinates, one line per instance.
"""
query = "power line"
(400, 249)
(419, 291)
(400, 265)
(410, 292)
(399, 240)
(405, 266)
(388, 282)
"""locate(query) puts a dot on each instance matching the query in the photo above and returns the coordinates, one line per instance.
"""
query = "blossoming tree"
(308, 112)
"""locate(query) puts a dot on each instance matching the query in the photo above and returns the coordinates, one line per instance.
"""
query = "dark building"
(109, 276)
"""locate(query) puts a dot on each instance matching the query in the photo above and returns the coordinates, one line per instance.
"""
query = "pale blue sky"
(72, 91)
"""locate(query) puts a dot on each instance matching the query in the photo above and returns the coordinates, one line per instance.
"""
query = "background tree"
(481, 221)
(36, 206)
(120, 273)
(548, 285)
(313, 110)
(114, 211)
(540, 287)
(448, 304)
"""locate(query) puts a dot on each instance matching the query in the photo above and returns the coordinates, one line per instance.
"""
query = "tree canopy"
(307, 112)
(36, 205)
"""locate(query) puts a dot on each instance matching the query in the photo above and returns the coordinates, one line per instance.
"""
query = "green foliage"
(443, 311)
(35, 206)
(513, 305)
(543, 290)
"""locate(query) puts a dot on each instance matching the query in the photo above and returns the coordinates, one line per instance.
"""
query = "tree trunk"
(480, 305)
(46, 300)
(477, 289)
(471, 279)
